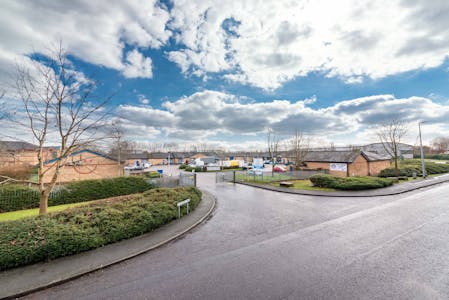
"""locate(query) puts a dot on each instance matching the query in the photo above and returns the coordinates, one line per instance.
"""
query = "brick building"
(13, 153)
(85, 164)
(347, 163)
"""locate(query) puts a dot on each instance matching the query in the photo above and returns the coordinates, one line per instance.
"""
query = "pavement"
(260, 244)
(403, 187)
(23, 280)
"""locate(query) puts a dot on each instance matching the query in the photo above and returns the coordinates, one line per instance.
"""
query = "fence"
(29, 198)
(184, 179)
(268, 176)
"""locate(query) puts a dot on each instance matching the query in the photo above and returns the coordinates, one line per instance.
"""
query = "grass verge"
(305, 185)
(20, 214)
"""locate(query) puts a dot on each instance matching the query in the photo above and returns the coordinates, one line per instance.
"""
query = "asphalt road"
(264, 245)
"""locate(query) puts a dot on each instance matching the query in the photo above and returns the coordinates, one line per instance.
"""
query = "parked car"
(247, 166)
(279, 169)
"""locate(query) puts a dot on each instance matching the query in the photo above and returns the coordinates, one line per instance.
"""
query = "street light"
(423, 166)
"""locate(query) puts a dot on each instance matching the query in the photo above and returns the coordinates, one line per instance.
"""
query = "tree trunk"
(43, 203)
(396, 169)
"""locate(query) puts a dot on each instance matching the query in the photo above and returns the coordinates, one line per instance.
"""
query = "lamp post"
(423, 166)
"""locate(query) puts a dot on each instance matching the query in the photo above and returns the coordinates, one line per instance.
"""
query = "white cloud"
(94, 31)
(137, 65)
(216, 115)
(271, 42)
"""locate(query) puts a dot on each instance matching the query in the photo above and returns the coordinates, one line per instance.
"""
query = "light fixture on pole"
(423, 166)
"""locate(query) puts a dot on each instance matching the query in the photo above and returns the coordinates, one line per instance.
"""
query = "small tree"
(440, 144)
(59, 105)
(390, 135)
(119, 145)
(273, 142)
(299, 146)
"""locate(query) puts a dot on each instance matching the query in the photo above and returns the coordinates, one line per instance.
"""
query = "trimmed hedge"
(42, 238)
(349, 183)
(407, 168)
(434, 156)
(20, 197)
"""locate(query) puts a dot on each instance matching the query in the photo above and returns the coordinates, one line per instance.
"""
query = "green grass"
(19, 214)
(305, 185)
(262, 179)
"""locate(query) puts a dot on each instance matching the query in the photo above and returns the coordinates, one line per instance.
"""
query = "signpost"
(181, 203)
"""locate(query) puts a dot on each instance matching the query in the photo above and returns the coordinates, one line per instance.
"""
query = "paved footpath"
(22, 280)
(396, 189)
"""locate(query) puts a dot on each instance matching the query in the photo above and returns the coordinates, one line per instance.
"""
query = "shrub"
(434, 156)
(152, 174)
(349, 183)
(40, 238)
(183, 166)
(16, 197)
(408, 167)
(197, 169)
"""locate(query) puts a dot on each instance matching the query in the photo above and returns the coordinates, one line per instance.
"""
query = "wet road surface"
(260, 244)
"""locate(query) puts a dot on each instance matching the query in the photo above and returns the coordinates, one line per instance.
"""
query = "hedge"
(434, 156)
(349, 183)
(75, 230)
(20, 197)
(407, 168)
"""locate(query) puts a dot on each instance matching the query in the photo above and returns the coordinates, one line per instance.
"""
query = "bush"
(197, 169)
(408, 167)
(349, 183)
(152, 174)
(41, 238)
(434, 156)
(16, 197)
(182, 167)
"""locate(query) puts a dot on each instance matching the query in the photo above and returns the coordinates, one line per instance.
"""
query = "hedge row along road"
(79, 229)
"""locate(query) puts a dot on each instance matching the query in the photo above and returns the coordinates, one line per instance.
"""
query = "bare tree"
(390, 135)
(440, 144)
(273, 142)
(298, 147)
(60, 105)
(117, 134)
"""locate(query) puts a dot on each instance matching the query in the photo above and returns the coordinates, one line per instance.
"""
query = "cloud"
(137, 65)
(217, 115)
(269, 43)
(95, 32)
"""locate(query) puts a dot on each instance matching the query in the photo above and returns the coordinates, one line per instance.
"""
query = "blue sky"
(199, 71)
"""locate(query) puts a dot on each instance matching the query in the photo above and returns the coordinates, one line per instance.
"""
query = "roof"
(83, 151)
(371, 156)
(17, 146)
(332, 156)
(142, 155)
(346, 156)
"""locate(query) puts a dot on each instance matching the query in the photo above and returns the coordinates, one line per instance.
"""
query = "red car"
(279, 169)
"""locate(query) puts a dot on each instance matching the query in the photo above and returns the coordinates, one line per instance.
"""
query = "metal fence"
(28, 197)
(184, 179)
(268, 176)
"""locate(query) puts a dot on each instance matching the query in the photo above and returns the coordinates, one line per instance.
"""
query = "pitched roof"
(17, 146)
(141, 155)
(332, 156)
(83, 151)
(371, 156)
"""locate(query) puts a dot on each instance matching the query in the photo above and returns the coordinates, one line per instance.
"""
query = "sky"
(223, 72)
